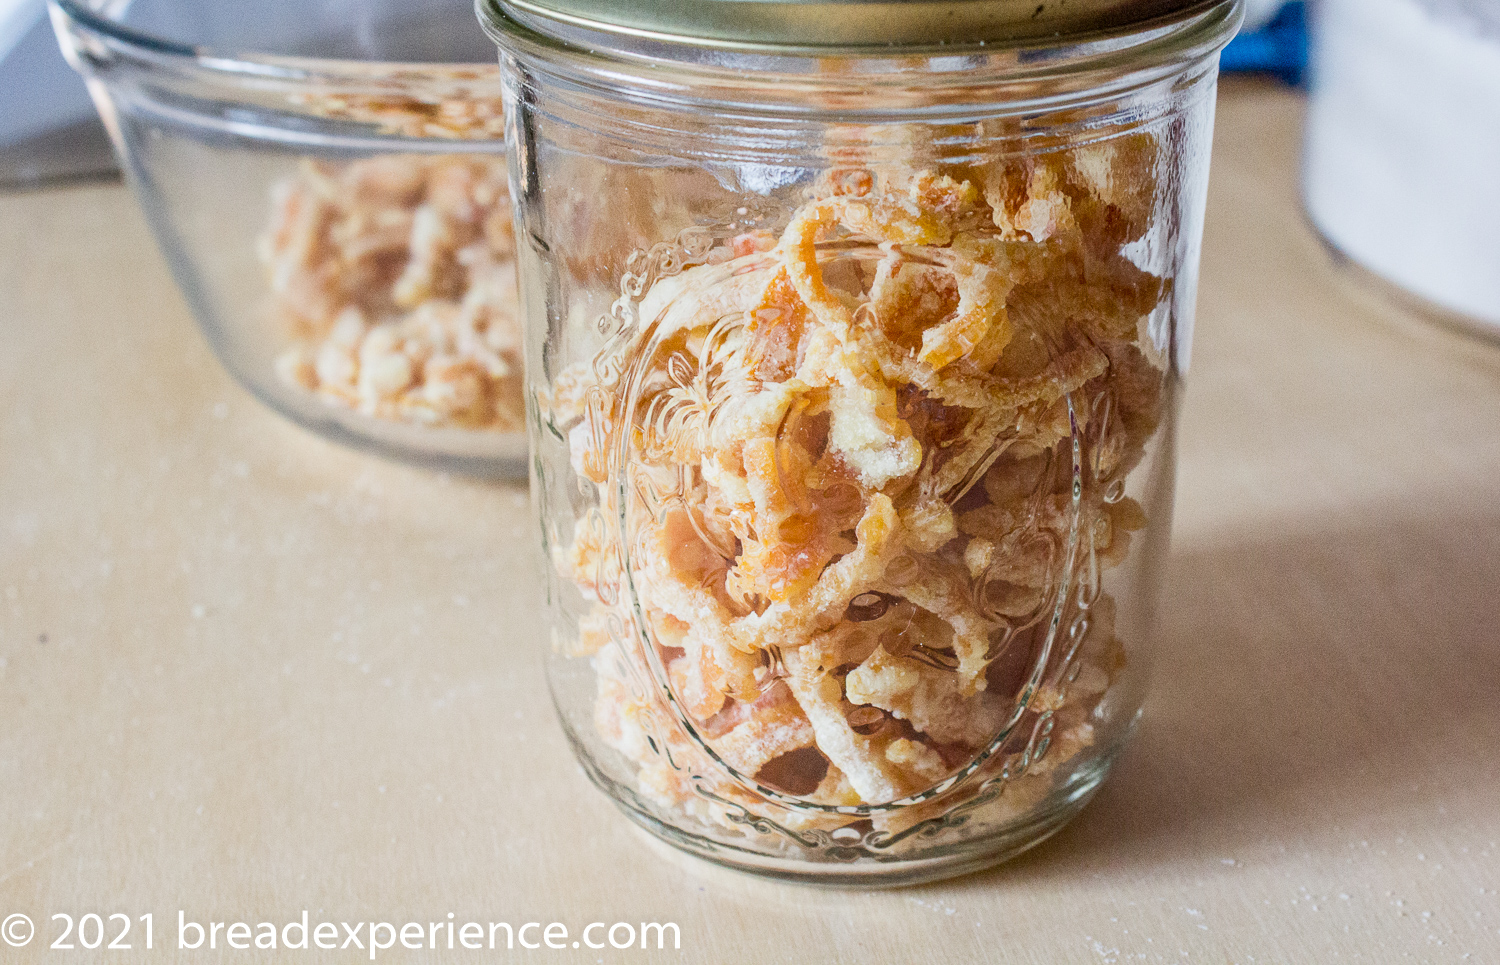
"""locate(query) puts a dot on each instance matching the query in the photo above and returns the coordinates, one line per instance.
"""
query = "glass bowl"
(327, 181)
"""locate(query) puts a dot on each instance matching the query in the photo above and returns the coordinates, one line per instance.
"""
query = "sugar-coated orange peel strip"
(813, 590)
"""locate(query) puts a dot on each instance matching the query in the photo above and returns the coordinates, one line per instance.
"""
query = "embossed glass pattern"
(852, 385)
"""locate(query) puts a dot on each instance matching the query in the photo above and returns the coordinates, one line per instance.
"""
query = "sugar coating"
(851, 486)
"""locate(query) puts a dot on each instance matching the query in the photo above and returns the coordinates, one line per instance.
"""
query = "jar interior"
(853, 444)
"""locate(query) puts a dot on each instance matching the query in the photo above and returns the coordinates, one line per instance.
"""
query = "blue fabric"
(1279, 48)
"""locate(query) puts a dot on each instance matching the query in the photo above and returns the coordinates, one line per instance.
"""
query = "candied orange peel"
(849, 459)
(394, 278)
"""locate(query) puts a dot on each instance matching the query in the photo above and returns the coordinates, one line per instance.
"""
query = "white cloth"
(1403, 133)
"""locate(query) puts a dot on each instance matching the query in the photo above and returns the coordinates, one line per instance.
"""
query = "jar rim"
(623, 36)
(763, 82)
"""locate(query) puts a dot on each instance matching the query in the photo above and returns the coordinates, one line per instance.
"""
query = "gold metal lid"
(772, 25)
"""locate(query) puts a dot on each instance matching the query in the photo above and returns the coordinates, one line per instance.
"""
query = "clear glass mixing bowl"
(327, 181)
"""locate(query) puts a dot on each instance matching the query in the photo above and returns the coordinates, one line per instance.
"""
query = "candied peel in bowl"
(469, 108)
(394, 279)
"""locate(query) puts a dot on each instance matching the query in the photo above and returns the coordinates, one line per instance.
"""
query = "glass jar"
(329, 187)
(854, 349)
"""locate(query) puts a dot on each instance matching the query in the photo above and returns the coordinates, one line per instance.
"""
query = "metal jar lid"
(775, 25)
